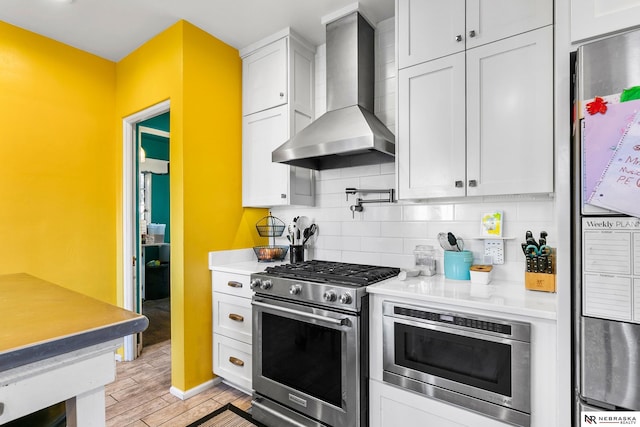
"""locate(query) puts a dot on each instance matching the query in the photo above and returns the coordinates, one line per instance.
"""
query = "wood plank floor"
(140, 395)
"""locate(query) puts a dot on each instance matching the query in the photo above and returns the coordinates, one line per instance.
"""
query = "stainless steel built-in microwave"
(481, 364)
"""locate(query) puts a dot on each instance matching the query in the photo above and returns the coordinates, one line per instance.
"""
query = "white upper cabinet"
(429, 29)
(475, 122)
(264, 78)
(431, 124)
(264, 183)
(434, 28)
(278, 98)
(594, 18)
(510, 115)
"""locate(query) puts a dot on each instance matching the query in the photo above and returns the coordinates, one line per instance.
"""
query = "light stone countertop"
(498, 296)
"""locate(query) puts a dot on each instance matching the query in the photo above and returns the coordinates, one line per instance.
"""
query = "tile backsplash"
(387, 233)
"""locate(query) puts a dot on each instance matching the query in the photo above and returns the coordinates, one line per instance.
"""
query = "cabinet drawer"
(232, 283)
(232, 361)
(232, 316)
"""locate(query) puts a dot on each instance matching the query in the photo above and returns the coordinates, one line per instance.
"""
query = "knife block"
(540, 281)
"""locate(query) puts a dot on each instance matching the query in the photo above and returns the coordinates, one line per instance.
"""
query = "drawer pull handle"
(234, 284)
(236, 317)
(1, 408)
(236, 361)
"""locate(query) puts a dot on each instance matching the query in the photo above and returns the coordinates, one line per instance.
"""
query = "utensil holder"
(457, 264)
(296, 253)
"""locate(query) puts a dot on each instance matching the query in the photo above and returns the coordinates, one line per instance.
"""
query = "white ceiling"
(114, 28)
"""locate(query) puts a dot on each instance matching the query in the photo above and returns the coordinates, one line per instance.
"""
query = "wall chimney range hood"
(348, 134)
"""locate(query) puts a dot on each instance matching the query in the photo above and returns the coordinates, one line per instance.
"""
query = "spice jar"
(425, 260)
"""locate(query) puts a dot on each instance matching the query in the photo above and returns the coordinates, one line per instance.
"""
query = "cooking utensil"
(308, 232)
(444, 242)
(456, 243)
(292, 232)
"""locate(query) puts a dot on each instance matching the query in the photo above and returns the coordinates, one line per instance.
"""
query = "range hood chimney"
(348, 134)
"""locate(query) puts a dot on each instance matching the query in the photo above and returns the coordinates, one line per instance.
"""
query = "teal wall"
(157, 147)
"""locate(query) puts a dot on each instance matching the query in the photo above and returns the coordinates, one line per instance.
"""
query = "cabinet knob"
(236, 361)
(473, 183)
(283, 196)
(472, 33)
(281, 94)
(459, 38)
(459, 184)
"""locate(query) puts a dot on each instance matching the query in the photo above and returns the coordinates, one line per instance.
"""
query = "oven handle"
(276, 414)
(338, 322)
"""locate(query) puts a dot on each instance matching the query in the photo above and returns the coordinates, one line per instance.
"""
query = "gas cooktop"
(355, 275)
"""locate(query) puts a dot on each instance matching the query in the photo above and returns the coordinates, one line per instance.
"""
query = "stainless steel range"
(311, 342)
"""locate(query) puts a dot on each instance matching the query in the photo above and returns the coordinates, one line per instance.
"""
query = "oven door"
(307, 359)
(454, 364)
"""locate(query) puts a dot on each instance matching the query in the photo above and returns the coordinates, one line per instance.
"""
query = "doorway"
(132, 237)
(154, 227)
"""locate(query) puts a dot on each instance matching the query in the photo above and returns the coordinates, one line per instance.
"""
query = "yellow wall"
(57, 163)
(202, 78)
(61, 114)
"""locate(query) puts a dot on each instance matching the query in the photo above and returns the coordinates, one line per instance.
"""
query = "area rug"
(227, 416)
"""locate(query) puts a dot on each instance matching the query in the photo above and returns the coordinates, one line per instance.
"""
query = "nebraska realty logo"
(610, 418)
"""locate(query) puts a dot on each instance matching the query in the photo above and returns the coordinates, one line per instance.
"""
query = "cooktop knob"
(330, 295)
(346, 298)
(266, 285)
(255, 283)
(295, 289)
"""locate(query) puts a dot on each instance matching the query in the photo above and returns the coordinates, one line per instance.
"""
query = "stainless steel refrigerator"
(606, 242)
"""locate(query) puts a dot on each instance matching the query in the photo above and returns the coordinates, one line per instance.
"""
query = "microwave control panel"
(466, 322)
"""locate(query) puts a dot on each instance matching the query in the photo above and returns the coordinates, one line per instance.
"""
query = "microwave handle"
(331, 320)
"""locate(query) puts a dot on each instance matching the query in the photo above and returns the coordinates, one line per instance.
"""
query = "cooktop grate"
(334, 272)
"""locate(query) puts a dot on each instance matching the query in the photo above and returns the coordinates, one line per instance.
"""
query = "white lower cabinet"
(232, 361)
(391, 406)
(232, 316)
(232, 328)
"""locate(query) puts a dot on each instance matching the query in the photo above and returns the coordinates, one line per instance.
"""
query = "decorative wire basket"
(270, 226)
(271, 253)
(273, 227)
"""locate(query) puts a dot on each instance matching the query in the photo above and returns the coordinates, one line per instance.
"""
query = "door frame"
(129, 209)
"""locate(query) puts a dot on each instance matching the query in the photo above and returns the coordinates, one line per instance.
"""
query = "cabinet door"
(264, 183)
(429, 29)
(510, 115)
(431, 129)
(593, 18)
(302, 73)
(264, 78)
(301, 180)
(491, 20)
